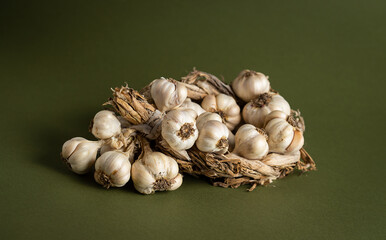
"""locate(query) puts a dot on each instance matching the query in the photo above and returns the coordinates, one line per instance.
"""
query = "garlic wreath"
(213, 137)
(112, 169)
(225, 106)
(79, 154)
(255, 111)
(251, 142)
(168, 94)
(285, 134)
(155, 171)
(249, 84)
(105, 125)
(179, 128)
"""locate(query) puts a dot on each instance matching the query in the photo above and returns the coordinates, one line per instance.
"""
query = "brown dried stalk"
(201, 84)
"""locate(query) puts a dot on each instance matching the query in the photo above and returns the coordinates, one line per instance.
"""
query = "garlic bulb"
(251, 142)
(213, 137)
(255, 111)
(155, 171)
(284, 134)
(249, 84)
(112, 169)
(225, 106)
(179, 128)
(188, 104)
(105, 125)
(205, 117)
(168, 94)
(79, 154)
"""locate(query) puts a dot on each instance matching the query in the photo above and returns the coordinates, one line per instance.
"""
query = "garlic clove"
(105, 125)
(188, 104)
(273, 115)
(168, 94)
(225, 106)
(255, 111)
(297, 142)
(213, 137)
(80, 155)
(155, 172)
(249, 84)
(251, 142)
(205, 117)
(112, 169)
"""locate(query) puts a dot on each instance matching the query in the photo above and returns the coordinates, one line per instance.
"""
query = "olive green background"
(58, 60)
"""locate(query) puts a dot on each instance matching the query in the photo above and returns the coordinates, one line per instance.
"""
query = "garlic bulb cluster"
(255, 111)
(155, 172)
(179, 128)
(251, 142)
(192, 126)
(80, 154)
(168, 94)
(225, 106)
(284, 137)
(213, 137)
(105, 125)
(249, 84)
(112, 169)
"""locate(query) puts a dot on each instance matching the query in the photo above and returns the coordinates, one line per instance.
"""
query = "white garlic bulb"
(251, 142)
(249, 84)
(105, 125)
(79, 154)
(255, 111)
(225, 106)
(188, 104)
(283, 136)
(179, 128)
(112, 169)
(205, 117)
(155, 171)
(213, 137)
(168, 94)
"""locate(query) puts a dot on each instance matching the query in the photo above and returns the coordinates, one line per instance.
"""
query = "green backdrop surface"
(58, 60)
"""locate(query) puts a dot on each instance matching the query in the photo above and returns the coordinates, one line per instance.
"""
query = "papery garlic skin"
(251, 142)
(205, 117)
(283, 137)
(255, 111)
(80, 154)
(188, 104)
(112, 169)
(213, 137)
(105, 125)
(249, 84)
(168, 94)
(179, 128)
(155, 172)
(225, 106)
